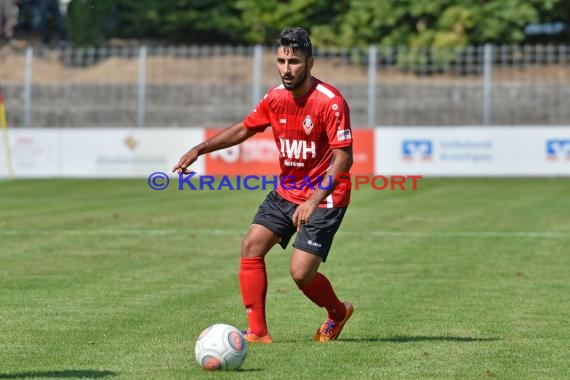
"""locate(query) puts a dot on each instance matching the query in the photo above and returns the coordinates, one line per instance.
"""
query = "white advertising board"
(535, 151)
(33, 153)
(98, 152)
(442, 151)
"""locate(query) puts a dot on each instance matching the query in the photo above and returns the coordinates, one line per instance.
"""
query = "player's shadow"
(419, 338)
(404, 339)
(64, 374)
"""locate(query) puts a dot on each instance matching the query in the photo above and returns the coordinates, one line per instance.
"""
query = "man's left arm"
(341, 163)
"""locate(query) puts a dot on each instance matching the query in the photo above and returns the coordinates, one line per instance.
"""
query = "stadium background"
(167, 81)
(101, 277)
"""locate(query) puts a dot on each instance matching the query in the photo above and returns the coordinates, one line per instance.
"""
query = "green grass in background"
(461, 279)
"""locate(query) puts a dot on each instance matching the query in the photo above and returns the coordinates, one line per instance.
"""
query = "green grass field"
(461, 279)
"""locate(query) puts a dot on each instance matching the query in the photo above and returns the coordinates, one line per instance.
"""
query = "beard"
(296, 84)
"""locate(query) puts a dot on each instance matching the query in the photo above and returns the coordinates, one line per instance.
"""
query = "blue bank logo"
(558, 149)
(413, 150)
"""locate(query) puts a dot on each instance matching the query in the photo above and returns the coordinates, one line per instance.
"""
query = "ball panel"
(205, 332)
(233, 361)
(211, 363)
(236, 340)
(220, 347)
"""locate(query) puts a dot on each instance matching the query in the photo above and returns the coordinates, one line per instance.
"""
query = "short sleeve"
(259, 118)
(337, 119)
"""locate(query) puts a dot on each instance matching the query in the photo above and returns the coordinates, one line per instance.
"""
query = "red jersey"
(305, 129)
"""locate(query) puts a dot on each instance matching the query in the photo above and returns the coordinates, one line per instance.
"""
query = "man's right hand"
(185, 161)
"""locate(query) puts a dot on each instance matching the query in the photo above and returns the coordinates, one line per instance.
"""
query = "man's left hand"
(303, 213)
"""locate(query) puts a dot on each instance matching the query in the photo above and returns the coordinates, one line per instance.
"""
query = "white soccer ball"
(220, 347)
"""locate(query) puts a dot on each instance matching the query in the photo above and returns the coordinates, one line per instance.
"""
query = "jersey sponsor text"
(293, 149)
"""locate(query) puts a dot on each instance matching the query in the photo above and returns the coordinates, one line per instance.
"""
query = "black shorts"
(315, 237)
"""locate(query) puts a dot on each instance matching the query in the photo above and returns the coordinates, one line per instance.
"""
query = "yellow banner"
(4, 126)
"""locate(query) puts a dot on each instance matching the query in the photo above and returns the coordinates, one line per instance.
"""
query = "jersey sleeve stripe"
(325, 91)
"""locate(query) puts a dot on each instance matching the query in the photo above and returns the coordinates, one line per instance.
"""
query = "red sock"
(253, 286)
(320, 291)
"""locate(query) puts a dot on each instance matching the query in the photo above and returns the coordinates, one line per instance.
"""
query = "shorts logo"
(558, 149)
(308, 124)
(314, 244)
(417, 149)
(343, 134)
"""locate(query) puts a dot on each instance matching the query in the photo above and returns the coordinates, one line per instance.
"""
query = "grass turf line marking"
(473, 234)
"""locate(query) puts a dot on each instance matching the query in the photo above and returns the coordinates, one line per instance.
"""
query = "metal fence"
(218, 85)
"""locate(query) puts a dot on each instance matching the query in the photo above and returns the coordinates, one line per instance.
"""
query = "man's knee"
(258, 241)
(250, 247)
(301, 276)
(304, 266)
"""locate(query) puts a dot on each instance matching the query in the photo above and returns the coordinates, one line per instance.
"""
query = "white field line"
(230, 232)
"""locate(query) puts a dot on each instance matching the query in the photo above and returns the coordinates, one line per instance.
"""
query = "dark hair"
(297, 39)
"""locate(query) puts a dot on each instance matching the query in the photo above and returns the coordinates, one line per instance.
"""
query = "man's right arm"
(227, 137)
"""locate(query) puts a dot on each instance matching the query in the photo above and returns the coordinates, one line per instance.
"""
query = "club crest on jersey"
(308, 124)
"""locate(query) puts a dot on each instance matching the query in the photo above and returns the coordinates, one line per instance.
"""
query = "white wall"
(97, 152)
(473, 151)
(429, 151)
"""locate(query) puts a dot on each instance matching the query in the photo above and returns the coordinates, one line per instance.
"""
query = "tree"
(431, 23)
(85, 21)
(263, 20)
(341, 23)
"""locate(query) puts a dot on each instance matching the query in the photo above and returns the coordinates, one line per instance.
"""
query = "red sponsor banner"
(259, 155)
(362, 151)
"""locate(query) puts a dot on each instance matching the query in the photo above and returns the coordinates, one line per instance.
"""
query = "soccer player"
(311, 126)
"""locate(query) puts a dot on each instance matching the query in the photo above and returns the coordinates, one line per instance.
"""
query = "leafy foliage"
(343, 23)
(88, 19)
